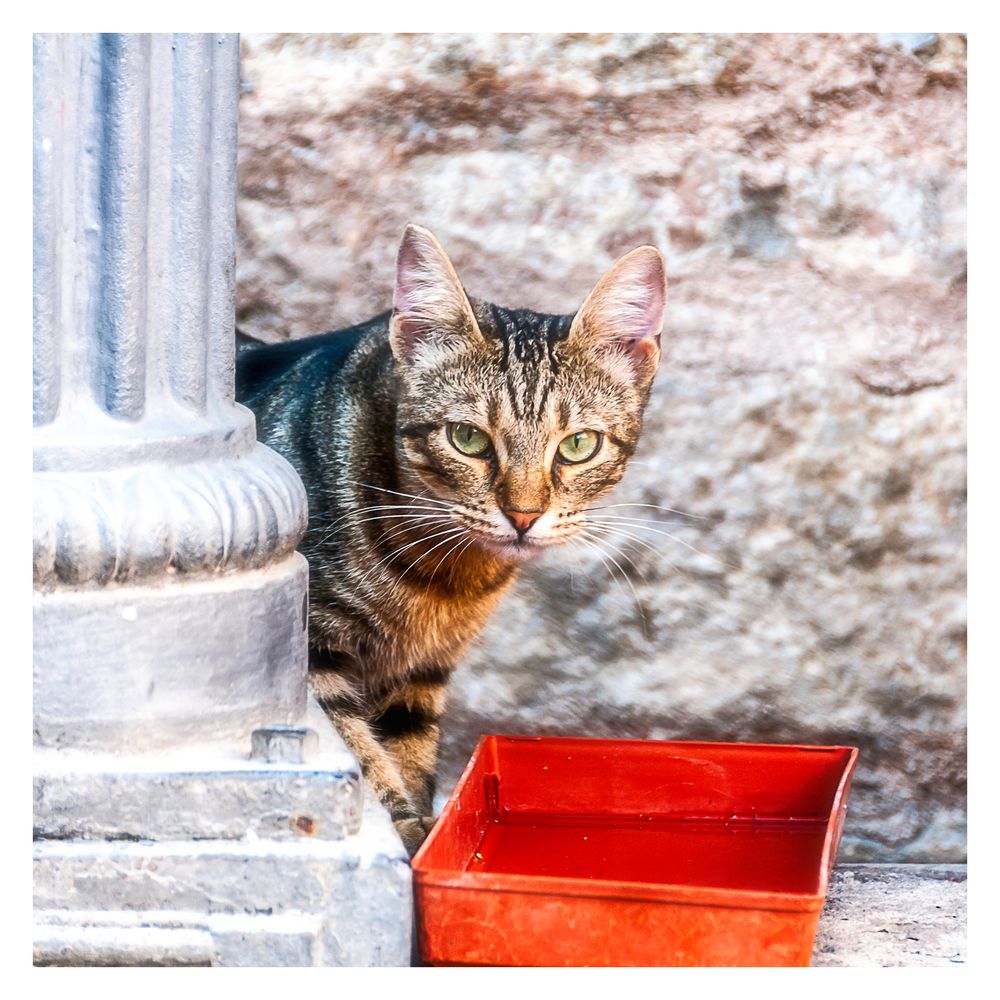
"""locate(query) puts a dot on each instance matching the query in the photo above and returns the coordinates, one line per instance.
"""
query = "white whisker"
(654, 506)
(397, 552)
(436, 523)
(423, 555)
(412, 496)
(638, 523)
(638, 604)
(635, 539)
(467, 543)
(412, 518)
(593, 526)
(406, 509)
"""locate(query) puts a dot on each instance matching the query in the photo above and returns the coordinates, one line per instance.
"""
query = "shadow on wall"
(809, 419)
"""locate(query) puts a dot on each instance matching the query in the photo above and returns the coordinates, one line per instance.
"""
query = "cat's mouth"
(517, 548)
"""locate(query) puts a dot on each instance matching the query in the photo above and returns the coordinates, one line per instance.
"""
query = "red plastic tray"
(561, 852)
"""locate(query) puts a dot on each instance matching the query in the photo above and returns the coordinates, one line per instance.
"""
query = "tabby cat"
(441, 445)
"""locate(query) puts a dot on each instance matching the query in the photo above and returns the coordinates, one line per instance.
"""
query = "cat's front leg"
(410, 815)
(394, 737)
(338, 696)
(408, 725)
(413, 831)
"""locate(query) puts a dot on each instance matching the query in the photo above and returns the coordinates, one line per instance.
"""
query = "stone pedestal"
(199, 856)
(170, 603)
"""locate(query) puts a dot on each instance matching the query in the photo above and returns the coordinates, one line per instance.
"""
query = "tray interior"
(773, 857)
(732, 816)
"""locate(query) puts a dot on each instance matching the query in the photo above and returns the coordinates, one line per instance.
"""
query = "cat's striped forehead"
(523, 379)
(526, 357)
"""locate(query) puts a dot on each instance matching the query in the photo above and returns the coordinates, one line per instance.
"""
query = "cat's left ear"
(431, 314)
(623, 316)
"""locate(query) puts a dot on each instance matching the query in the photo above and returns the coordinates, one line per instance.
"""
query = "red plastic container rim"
(595, 888)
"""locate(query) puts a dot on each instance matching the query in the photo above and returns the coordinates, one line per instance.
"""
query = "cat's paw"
(413, 831)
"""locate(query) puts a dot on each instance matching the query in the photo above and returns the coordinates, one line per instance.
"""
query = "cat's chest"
(434, 625)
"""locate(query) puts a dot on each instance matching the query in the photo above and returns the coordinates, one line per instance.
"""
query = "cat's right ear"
(431, 314)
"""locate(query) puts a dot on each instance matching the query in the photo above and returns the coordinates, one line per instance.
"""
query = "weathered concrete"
(357, 889)
(296, 874)
(138, 667)
(201, 792)
(894, 915)
(99, 938)
(875, 915)
(170, 605)
(808, 192)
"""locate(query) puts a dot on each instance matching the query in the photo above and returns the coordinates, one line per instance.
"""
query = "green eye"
(580, 446)
(469, 440)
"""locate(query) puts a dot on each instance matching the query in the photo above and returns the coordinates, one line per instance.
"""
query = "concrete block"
(145, 667)
(208, 792)
(106, 939)
(358, 889)
(133, 881)
(175, 937)
(283, 744)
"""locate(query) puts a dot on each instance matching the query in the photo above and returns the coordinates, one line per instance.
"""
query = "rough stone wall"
(809, 413)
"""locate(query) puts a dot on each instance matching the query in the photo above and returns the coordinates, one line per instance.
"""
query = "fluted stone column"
(170, 604)
(169, 599)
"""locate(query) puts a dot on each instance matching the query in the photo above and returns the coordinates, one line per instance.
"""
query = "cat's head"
(519, 420)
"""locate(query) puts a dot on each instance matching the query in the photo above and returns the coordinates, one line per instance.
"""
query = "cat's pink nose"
(522, 519)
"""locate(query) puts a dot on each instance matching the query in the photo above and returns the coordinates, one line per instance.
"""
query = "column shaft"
(168, 594)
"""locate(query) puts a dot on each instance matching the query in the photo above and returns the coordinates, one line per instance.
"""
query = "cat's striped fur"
(411, 542)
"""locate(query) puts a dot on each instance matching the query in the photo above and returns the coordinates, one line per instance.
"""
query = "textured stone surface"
(168, 598)
(809, 195)
(875, 915)
(359, 886)
(202, 792)
(179, 864)
(176, 938)
(138, 667)
(894, 915)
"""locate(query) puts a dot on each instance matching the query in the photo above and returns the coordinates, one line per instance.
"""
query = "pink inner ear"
(429, 304)
(626, 307)
(648, 301)
(645, 349)
(624, 312)
(410, 331)
(408, 266)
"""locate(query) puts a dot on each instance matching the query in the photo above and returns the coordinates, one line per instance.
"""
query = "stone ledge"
(138, 668)
(892, 916)
(290, 899)
(173, 938)
(341, 903)
(209, 792)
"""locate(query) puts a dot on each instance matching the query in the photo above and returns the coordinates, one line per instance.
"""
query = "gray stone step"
(215, 876)
(176, 938)
(199, 859)
(209, 792)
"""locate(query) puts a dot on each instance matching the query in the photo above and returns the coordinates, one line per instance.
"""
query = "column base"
(226, 862)
(133, 668)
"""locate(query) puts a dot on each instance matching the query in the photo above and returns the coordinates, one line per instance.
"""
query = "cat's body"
(432, 442)
(382, 644)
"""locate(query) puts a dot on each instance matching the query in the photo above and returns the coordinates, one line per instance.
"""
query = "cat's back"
(303, 363)
(297, 386)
